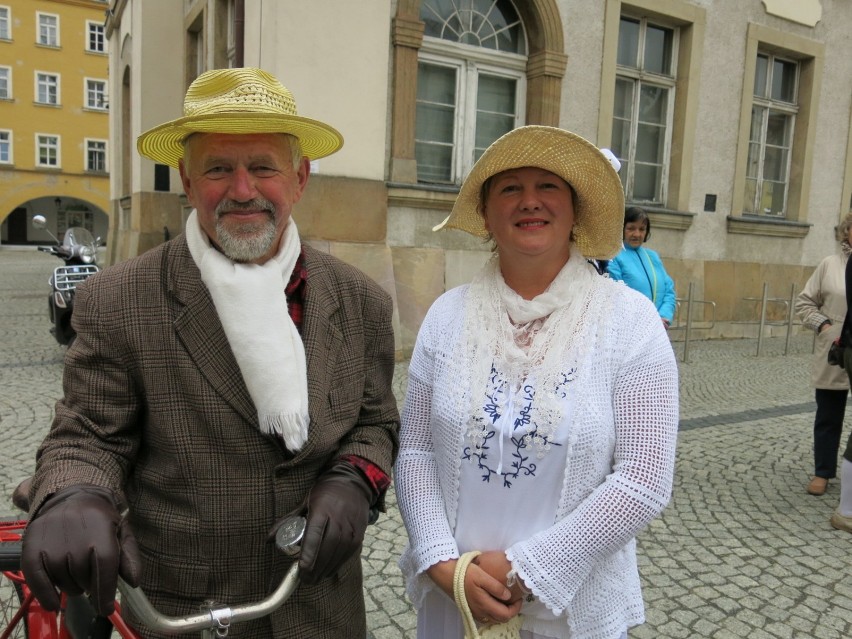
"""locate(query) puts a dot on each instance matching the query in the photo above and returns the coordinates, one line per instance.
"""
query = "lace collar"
(537, 347)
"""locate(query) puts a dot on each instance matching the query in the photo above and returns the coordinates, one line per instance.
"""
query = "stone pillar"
(545, 70)
(407, 37)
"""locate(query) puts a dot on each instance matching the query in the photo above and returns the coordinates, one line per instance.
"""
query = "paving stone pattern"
(741, 551)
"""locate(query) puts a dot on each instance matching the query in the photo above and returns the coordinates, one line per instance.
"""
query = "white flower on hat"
(609, 155)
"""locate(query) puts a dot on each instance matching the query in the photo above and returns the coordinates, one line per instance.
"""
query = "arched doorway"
(61, 212)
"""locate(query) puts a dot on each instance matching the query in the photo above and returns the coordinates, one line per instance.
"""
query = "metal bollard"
(790, 318)
(762, 318)
(686, 333)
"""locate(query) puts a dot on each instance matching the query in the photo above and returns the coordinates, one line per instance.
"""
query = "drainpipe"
(239, 31)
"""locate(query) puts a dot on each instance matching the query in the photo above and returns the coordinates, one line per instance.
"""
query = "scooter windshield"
(78, 236)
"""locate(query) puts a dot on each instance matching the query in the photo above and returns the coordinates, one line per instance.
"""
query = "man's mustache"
(256, 204)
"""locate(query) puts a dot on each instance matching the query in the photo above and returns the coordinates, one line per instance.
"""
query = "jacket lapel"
(198, 327)
(321, 333)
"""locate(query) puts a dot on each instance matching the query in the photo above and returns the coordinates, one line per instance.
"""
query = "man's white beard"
(247, 245)
(251, 241)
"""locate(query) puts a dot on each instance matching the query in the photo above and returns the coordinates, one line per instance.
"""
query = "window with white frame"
(5, 23)
(5, 83)
(471, 84)
(96, 97)
(95, 40)
(47, 88)
(96, 159)
(644, 104)
(773, 118)
(47, 150)
(48, 29)
(5, 146)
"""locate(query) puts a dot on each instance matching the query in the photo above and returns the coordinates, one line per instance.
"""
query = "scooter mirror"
(39, 222)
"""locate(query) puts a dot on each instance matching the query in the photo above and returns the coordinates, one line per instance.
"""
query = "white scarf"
(535, 340)
(250, 302)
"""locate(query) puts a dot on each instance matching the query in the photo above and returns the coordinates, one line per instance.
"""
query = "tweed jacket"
(155, 408)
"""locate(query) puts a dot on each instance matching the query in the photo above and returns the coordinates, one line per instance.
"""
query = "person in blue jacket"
(641, 268)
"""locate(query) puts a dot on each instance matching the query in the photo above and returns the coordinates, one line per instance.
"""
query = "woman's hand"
(495, 563)
(489, 599)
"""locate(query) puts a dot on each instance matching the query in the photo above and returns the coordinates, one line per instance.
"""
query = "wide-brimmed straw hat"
(237, 101)
(599, 209)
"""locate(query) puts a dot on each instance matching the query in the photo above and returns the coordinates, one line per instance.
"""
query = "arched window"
(471, 83)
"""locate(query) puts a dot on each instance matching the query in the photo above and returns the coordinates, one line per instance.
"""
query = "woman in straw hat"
(541, 414)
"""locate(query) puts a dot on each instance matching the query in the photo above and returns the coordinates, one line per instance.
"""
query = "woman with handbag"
(540, 419)
(821, 306)
(841, 518)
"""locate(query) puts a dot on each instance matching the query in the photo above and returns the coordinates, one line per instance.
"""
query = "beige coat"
(824, 297)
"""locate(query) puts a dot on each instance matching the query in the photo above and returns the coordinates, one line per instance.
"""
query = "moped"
(79, 250)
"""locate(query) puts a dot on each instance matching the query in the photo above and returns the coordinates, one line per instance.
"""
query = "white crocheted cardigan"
(618, 469)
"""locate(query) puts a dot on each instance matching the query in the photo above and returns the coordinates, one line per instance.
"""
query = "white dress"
(566, 510)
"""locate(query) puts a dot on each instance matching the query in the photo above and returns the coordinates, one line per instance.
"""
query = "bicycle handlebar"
(287, 538)
(214, 618)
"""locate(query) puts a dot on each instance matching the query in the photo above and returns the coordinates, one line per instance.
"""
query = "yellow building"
(54, 118)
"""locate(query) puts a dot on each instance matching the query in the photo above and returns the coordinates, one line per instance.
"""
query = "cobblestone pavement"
(741, 551)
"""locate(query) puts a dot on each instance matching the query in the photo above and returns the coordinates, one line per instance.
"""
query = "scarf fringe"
(292, 428)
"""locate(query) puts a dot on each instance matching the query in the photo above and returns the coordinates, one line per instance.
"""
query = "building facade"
(731, 120)
(54, 122)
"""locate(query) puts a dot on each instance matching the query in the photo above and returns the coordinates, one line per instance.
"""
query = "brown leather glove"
(338, 514)
(78, 542)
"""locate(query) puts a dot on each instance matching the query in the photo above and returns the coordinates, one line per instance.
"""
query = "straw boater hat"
(599, 210)
(237, 101)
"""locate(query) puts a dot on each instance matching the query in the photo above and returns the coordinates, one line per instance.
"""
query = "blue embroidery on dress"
(560, 389)
(520, 466)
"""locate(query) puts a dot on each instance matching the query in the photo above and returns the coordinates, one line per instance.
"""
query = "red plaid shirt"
(295, 291)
